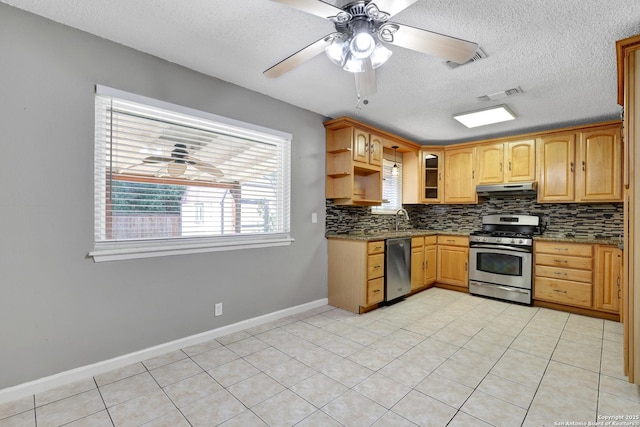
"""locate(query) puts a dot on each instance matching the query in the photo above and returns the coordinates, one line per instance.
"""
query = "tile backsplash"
(568, 219)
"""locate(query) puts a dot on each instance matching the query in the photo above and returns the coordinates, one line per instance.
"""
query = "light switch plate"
(314, 217)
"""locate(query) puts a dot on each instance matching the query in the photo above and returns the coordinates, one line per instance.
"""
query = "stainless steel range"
(501, 257)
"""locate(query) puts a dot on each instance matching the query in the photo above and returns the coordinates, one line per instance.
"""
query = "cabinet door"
(453, 265)
(429, 264)
(556, 168)
(490, 163)
(600, 166)
(521, 161)
(360, 146)
(459, 176)
(432, 164)
(417, 267)
(376, 147)
(608, 278)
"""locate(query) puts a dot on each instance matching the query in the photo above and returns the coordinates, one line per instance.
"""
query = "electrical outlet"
(218, 309)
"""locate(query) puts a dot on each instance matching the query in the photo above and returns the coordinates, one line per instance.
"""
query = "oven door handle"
(504, 288)
(505, 248)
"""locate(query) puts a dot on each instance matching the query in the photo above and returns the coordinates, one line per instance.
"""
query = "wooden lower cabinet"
(453, 261)
(563, 273)
(608, 278)
(578, 275)
(423, 262)
(356, 274)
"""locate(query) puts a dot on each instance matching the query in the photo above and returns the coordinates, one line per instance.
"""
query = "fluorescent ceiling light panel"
(486, 116)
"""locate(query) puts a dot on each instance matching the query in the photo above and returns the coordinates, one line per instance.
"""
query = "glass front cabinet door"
(432, 176)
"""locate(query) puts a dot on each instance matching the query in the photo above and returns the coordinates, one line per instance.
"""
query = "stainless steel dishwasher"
(397, 268)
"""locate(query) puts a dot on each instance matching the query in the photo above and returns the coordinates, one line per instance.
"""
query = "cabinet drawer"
(563, 273)
(375, 266)
(375, 247)
(453, 240)
(431, 240)
(417, 242)
(573, 249)
(375, 291)
(564, 261)
(562, 291)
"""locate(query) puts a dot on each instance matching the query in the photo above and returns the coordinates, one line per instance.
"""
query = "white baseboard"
(63, 378)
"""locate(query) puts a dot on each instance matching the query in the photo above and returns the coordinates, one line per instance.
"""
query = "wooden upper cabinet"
(506, 162)
(376, 148)
(360, 146)
(459, 181)
(599, 176)
(520, 161)
(581, 167)
(490, 163)
(367, 148)
(556, 168)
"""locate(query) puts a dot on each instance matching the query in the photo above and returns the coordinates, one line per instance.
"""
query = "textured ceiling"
(560, 53)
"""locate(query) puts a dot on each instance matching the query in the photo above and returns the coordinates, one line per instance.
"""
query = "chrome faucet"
(406, 216)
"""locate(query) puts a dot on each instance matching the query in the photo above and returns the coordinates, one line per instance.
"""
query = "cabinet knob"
(571, 166)
(509, 165)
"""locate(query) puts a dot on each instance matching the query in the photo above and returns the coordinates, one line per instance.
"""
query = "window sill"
(135, 250)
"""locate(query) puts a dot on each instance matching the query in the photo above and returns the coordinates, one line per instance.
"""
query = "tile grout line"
(103, 402)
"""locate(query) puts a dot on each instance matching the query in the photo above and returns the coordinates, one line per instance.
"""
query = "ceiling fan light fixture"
(354, 65)
(485, 116)
(338, 51)
(362, 45)
(380, 55)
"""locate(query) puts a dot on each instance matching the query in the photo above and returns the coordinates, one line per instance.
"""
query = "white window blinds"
(165, 172)
(391, 188)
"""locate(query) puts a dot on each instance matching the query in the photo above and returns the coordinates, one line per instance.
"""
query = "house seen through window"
(163, 174)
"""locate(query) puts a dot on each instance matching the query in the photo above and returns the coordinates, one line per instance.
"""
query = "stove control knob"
(485, 239)
(520, 242)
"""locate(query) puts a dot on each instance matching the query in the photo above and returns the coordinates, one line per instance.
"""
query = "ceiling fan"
(178, 161)
(362, 28)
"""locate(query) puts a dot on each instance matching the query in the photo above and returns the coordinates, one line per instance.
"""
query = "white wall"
(60, 310)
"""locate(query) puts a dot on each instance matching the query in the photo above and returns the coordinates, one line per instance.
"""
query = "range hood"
(511, 189)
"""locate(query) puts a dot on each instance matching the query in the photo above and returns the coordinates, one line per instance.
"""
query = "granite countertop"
(556, 237)
(392, 234)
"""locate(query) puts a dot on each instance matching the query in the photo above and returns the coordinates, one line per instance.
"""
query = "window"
(391, 188)
(169, 180)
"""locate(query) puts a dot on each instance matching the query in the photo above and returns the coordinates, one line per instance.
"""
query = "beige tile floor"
(438, 358)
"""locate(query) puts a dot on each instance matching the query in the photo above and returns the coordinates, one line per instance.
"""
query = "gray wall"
(60, 310)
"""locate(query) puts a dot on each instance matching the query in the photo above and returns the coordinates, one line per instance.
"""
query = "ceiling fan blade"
(299, 57)
(156, 159)
(206, 168)
(393, 7)
(366, 81)
(430, 43)
(315, 7)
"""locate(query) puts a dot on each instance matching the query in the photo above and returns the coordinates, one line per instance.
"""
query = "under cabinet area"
(356, 274)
